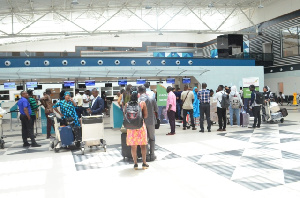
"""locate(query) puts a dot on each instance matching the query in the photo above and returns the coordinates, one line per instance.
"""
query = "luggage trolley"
(272, 113)
(56, 143)
(92, 132)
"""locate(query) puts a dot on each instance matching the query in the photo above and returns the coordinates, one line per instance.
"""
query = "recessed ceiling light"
(74, 2)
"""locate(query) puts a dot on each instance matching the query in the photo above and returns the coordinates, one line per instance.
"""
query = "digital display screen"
(69, 83)
(90, 83)
(170, 80)
(140, 81)
(10, 85)
(31, 84)
(122, 82)
(186, 80)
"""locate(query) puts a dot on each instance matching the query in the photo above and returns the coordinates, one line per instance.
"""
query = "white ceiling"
(32, 20)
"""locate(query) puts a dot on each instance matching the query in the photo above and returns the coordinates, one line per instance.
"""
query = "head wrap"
(67, 93)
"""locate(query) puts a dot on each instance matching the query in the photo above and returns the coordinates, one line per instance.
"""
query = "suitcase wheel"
(56, 150)
(281, 120)
(52, 145)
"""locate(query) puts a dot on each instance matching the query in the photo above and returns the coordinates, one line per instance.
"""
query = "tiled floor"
(240, 162)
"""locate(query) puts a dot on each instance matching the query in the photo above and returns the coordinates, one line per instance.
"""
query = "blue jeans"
(237, 114)
(178, 109)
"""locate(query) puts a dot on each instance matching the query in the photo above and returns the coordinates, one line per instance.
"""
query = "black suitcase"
(284, 112)
(77, 133)
(126, 150)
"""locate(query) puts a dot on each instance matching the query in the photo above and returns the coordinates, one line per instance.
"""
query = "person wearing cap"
(67, 108)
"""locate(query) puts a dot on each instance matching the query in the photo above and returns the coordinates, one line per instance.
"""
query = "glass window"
(290, 42)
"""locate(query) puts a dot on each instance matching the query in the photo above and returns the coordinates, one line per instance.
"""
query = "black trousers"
(171, 116)
(191, 111)
(32, 119)
(27, 129)
(79, 111)
(205, 109)
(256, 114)
(221, 116)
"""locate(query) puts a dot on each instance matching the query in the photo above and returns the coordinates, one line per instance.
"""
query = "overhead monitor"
(9, 85)
(20, 87)
(186, 80)
(140, 81)
(31, 85)
(90, 83)
(69, 83)
(38, 87)
(122, 82)
(108, 84)
(170, 80)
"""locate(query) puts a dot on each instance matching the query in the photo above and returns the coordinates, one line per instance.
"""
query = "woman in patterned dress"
(137, 137)
(67, 108)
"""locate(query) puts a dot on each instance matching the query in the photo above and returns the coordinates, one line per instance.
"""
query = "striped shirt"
(204, 96)
(33, 105)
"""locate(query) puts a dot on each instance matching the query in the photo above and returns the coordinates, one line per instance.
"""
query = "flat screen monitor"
(90, 83)
(186, 80)
(140, 81)
(69, 83)
(122, 82)
(9, 85)
(108, 84)
(38, 87)
(31, 85)
(20, 87)
(170, 80)
(81, 86)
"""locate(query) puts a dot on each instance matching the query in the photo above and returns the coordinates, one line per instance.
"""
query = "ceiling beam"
(225, 19)
(33, 22)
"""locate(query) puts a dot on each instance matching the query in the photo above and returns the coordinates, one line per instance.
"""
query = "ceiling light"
(117, 35)
(74, 2)
(148, 7)
(160, 33)
(260, 5)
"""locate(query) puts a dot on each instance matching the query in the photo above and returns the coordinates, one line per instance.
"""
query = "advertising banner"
(247, 82)
(162, 97)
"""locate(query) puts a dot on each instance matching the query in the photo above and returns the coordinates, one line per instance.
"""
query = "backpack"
(225, 103)
(133, 118)
(259, 98)
(235, 102)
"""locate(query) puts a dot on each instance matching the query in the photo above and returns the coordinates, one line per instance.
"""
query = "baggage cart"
(92, 132)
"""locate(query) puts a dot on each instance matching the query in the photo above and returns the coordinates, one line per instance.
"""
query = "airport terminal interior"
(92, 59)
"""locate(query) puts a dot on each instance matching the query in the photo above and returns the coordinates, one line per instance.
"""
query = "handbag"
(157, 125)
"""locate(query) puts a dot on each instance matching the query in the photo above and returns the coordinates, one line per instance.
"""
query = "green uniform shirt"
(33, 105)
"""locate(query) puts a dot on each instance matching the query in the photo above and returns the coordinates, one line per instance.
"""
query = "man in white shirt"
(150, 93)
(187, 98)
(221, 112)
(79, 102)
(86, 101)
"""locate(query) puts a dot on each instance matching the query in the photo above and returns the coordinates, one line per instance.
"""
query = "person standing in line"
(25, 111)
(46, 101)
(235, 104)
(97, 106)
(120, 98)
(137, 137)
(196, 105)
(126, 95)
(187, 98)
(255, 108)
(150, 121)
(79, 101)
(178, 103)
(221, 111)
(204, 98)
(85, 102)
(171, 109)
(150, 93)
(33, 107)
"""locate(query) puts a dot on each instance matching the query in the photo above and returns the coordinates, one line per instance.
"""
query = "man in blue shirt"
(25, 112)
(204, 98)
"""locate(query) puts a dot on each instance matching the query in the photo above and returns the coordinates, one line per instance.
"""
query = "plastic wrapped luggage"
(274, 107)
(244, 119)
(276, 116)
(92, 131)
(66, 136)
(126, 150)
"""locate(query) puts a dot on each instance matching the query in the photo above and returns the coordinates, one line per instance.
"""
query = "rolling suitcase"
(126, 150)
(66, 136)
(284, 112)
(244, 119)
